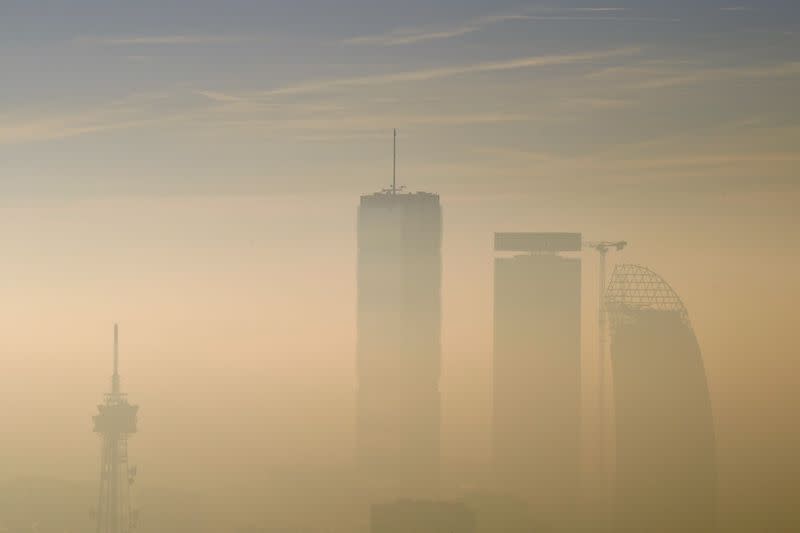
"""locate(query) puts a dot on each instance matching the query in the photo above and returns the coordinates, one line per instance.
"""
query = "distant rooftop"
(537, 242)
(387, 197)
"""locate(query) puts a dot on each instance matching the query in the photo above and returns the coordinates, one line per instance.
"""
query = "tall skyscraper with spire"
(399, 341)
(115, 422)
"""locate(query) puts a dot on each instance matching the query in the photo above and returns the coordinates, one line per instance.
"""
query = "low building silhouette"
(420, 516)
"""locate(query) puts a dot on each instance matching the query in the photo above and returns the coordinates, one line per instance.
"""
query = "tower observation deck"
(115, 421)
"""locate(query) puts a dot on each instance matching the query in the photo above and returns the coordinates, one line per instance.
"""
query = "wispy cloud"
(286, 120)
(663, 74)
(129, 112)
(167, 40)
(602, 18)
(404, 36)
(371, 122)
(593, 14)
(674, 168)
(716, 74)
(597, 103)
(452, 71)
(401, 36)
(221, 97)
(62, 127)
(593, 9)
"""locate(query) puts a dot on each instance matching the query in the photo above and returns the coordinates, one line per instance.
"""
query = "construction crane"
(602, 248)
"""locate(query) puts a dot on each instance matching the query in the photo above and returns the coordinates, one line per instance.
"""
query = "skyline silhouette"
(303, 349)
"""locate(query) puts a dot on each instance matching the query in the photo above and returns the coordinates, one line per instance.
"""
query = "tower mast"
(115, 376)
(394, 163)
(603, 452)
(115, 422)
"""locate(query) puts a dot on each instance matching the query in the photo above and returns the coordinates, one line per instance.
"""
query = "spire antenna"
(115, 376)
(394, 163)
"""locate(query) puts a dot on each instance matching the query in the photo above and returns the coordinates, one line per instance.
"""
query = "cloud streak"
(168, 40)
(421, 75)
(408, 36)
(780, 70)
(63, 127)
(133, 111)
(402, 36)
(664, 74)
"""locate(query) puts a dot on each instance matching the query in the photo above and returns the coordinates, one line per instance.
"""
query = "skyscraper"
(666, 470)
(399, 341)
(537, 310)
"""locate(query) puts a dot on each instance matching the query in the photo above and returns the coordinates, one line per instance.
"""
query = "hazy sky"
(644, 100)
(192, 170)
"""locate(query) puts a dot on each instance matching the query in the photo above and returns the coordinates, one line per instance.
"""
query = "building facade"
(665, 446)
(537, 378)
(399, 342)
(420, 516)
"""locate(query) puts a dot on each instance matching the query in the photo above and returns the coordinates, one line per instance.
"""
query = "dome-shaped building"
(665, 451)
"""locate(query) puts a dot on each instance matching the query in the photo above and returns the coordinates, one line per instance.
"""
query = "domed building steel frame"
(665, 445)
(637, 288)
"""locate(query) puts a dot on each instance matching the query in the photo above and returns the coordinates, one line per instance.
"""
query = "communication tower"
(115, 422)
